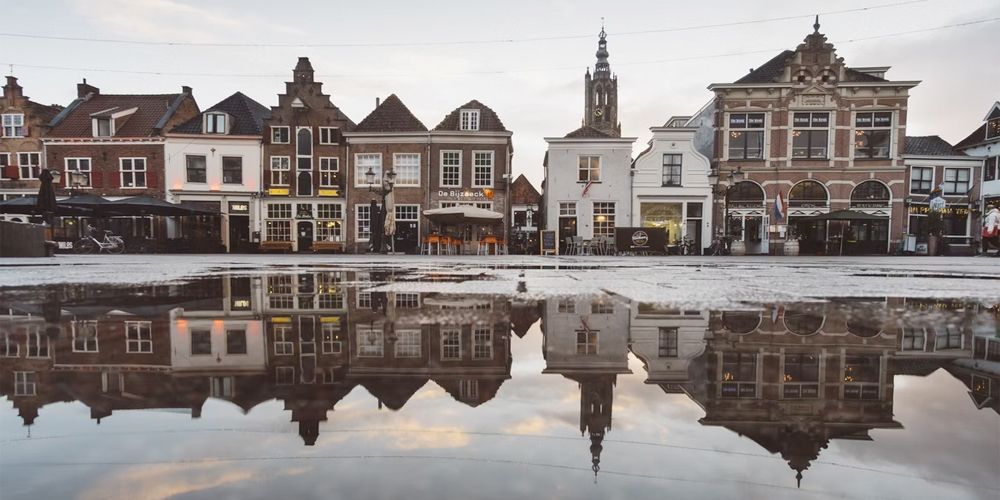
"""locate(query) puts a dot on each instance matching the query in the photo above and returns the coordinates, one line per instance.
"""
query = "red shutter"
(96, 177)
(10, 171)
(151, 179)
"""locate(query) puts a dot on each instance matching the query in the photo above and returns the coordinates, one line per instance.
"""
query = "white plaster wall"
(176, 149)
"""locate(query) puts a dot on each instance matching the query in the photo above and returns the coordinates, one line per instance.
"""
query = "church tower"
(601, 94)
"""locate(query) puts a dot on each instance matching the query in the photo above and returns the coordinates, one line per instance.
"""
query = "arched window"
(870, 194)
(304, 136)
(802, 322)
(808, 193)
(746, 193)
(864, 328)
(741, 322)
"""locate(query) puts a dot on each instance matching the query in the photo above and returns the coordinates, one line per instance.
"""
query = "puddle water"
(318, 384)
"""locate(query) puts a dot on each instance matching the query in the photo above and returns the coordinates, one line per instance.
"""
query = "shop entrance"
(867, 238)
(406, 237)
(305, 236)
(567, 229)
(239, 233)
(811, 234)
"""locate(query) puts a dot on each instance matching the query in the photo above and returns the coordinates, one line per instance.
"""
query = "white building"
(670, 186)
(214, 161)
(984, 142)
(588, 186)
(668, 341)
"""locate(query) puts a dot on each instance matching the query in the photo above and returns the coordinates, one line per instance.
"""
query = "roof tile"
(391, 116)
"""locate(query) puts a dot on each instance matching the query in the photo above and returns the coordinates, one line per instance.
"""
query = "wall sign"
(466, 194)
(239, 207)
(277, 191)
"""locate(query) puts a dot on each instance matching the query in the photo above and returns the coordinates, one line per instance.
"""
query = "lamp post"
(733, 179)
(382, 189)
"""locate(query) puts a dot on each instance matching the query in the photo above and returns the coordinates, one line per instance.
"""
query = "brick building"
(825, 137)
(21, 152)
(525, 216)
(112, 145)
(303, 152)
(390, 138)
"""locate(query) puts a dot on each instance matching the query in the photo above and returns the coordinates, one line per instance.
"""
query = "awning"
(26, 205)
(146, 205)
(463, 215)
(847, 215)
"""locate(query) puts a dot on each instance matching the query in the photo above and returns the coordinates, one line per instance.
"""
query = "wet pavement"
(458, 380)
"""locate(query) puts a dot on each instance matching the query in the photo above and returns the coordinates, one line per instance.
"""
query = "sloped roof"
(588, 132)
(522, 192)
(488, 119)
(771, 70)
(977, 136)
(391, 116)
(247, 116)
(930, 145)
(152, 109)
(854, 75)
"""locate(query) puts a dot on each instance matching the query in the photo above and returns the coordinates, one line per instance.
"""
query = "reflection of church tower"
(596, 396)
(601, 94)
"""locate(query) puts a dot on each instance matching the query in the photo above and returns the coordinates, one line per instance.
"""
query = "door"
(239, 233)
(305, 236)
(405, 239)
(567, 229)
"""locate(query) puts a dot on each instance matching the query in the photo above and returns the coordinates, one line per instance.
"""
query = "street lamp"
(733, 179)
(382, 189)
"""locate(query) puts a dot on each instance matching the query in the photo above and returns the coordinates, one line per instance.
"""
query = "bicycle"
(89, 244)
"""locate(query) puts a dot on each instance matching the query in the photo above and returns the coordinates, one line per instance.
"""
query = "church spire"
(602, 66)
(816, 24)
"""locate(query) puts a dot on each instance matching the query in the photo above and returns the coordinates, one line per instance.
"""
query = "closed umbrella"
(390, 215)
(46, 200)
(375, 226)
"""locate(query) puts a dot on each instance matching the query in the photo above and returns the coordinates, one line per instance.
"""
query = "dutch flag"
(779, 208)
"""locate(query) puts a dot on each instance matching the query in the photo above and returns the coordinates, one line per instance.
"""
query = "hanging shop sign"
(239, 208)
(466, 194)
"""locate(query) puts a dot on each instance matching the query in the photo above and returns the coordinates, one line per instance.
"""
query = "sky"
(526, 60)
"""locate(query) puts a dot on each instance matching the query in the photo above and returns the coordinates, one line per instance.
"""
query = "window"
(739, 375)
(196, 168)
(304, 144)
(201, 343)
(370, 342)
(482, 165)
(365, 162)
(80, 166)
(746, 136)
(4, 162)
(279, 211)
(993, 128)
(861, 377)
(468, 390)
(801, 378)
(921, 179)
(329, 216)
(329, 172)
(482, 342)
(586, 342)
(948, 338)
(28, 165)
(138, 337)
(668, 342)
(232, 170)
(604, 218)
(872, 134)
(236, 341)
(451, 343)
(451, 168)
(25, 383)
(470, 119)
(330, 338)
(283, 345)
(280, 167)
(364, 300)
(284, 375)
(672, 169)
(600, 307)
(280, 135)
(589, 169)
(279, 230)
(567, 209)
(328, 135)
(102, 127)
(363, 223)
(914, 338)
(810, 135)
(85, 336)
(407, 168)
(215, 123)
(9, 348)
(956, 180)
(133, 172)
(566, 306)
(38, 346)
(407, 213)
(222, 387)
(408, 344)
(991, 169)
(13, 125)
(406, 300)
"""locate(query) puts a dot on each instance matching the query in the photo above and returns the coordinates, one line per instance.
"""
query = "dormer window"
(102, 127)
(993, 128)
(470, 119)
(215, 123)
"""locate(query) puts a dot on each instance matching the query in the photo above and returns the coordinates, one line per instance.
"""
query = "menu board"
(548, 242)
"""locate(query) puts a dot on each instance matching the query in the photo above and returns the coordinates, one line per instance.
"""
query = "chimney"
(185, 89)
(83, 89)
(378, 101)
(12, 90)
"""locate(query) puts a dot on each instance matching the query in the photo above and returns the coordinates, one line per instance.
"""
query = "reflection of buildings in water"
(981, 373)
(586, 340)
(670, 343)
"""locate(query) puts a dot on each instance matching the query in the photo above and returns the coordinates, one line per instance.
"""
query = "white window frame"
(613, 214)
(475, 166)
(34, 169)
(441, 178)
(211, 123)
(746, 128)
(140, 344)
(34, 346)
(591, 344)
(288, 134)
(11, 349)
(284, 375)
(4, 164)
(362, 161)
(447, 333)
(12, 126)
(89, 170)
(78, 331)
(409, 343)
(375, 348)
(397, 163)
(890, 128)
(909, 189)
(132, 171)
(287, 168)
(325, 163)
(22, 384)
(564, 207)
(96, 126)
(358, 219)
(327, 133)
(482, 342)
(469, 120)
(590, 169)
(968, 180)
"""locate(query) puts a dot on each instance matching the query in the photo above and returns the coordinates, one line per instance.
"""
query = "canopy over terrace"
(465, 215)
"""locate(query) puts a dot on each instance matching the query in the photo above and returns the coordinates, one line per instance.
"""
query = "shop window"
(739, 375)
(870, 194)
(604, 218)
(666, 216)
(872, 134)
(746, 136)
(810, 135)
(746, 194)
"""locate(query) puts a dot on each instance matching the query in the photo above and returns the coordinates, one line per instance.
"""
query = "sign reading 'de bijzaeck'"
(641, 239)
(466, 194)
